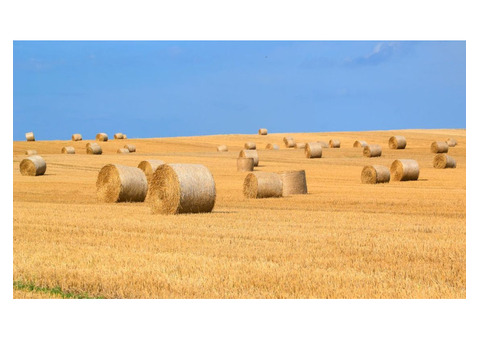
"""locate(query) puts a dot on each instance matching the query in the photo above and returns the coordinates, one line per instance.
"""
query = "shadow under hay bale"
(262, 185)
(372, 174)
(33, 166)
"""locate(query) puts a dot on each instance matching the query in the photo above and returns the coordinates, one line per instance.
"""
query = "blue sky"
(184, 88)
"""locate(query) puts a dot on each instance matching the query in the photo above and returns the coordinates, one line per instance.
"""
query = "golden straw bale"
(289, 142)
(68, 150)
(33, 166)
(294, 182)
(123, 150)
(404, 170)
(245, 164)
(262, 185)
(76, 137)
(372, 174)
(442, 161)
(124, 136)
(94, 149)
(451, 142)
(250, 154)
(323, 144)
(271, 146)
(313, 150)
(299, 145)
(334, 143)
(360, 144)
(439, 147)
(149, 167)
(89, 144)
(250, 146)
(263, 132)
(31, 152)
(397, 142)
(101, 137)
(30, 137)
(222, 148)
(119, 135)
(372, 150)
(130, 147)
(120, 183)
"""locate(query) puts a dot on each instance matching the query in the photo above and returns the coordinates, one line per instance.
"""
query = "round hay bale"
(101, 137)
(123, 150)
(149, 167)
(334, 143)
(94, 149)
(130, 147)
(222, 148)
(262, 185)
(33, 166)
(451, 142)
(124, 136)
(245, 164)
(442, 161)
(120, 183)
(372, 174)
(31, 152)
(118, 135)
(250, 154)
(360, 144)
(299, 145)
(263, 132)
(397, 142)
(90, 144)
(404, 170)
(182, 188)
(294, 182)
(372, 150)
(30, 137)
(439, 147)
(323, 144)
(76, 137)
(68, 150)
(271, 146)
(313, 150)
(289, 142)
(250, 146)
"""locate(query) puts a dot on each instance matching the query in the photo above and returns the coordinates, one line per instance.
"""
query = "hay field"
(342, 240)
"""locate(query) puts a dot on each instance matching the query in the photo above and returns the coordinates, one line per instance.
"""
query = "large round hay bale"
(397, 142)
(222, 148)
(101, 137)
(271, 146)
(118, 135)
(94, 149)
(439, 147)
(334, 143)
(404, 170)
(31, 152)
(120, 183)
(442, 161)
(250, 154)
(30, 137)
(313, 150)
(33, 166)
(289, 142)
(360, 144)
(372, 174)
(263, 132)
(299, 145)
(451, 142)
(262, 185)
(130, 147)
(250, 146)
(76, 137)
(123, 150)
(372, 150)
(68, 150)
(245, 164)
(149, 167)
(294, 182)
(182, 188)
(323, 144)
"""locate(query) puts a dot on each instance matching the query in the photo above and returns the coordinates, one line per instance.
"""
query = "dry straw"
(372, 150)
(101, 137)
(68, 150)
(439, 147)
(372, 174)
(130, 147)
(30, 137)
(313, 150)
(294, 182)
(149, 167)
(271, 146)
(262, 185)
(123, 150)
(289, 142)
(120, 183)
(263, 132)
(334, 143)
(250, 146)
(182, 188)
(397, 142)
(245, 164)
(451, 142)
(323, 144)
(299, 145)
(442, 161)
(33, 166)
(94, 149)
(404, 170)
(31, 152)
(250, 154)
(222, 148)
(360, 144)
(118, 135)
(76, 137)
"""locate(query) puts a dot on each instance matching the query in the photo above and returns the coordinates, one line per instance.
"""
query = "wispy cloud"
(381, 53)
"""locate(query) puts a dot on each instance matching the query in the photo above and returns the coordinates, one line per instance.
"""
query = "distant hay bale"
(451, 142)
(360, 144)
(323, 144)
(123, 150)
(120, 183)
(31, 152)
(222, 148)
(90, 144)
(442, 161)
(124, 136)
(294, 182)
(372, 174)
(149, 167)
(299, 145)
(182, 188)
(313, 150)
(404, 170)
(68, 150)
(397, 142)
(439, 147)
(271, 146)
(33, 166)
(130, 147)
(76, 137)
(30, 137)
(334, 143)
(101, 137)
(372, 150)
(263, 132)
(262, 185)
(94, 149)
(250, 146)
(289, 142)
(250, 154)
(118, 135)
(245, 164)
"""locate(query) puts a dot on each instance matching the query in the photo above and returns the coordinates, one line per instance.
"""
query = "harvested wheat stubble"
(76, 137)
(222, 148)
(30, 137)
(130, 147)
(313, 150)
(451, 142)
(68, 150)
(118, 135)
(397, 142)
(271, 146)
(182, 189)
(404, 170)
(294, 182)
(289, 142)
(360, 144)
(101, 137)
(323, 144)
(262, 185)
(123, 150)
(442, 161)
(245, 164)
(372, 174)
(250, 146)
(250, 154)
(94, 149)
(439, 147)
(31, 152)
(372, 150)
(120, 183)
(334, 143)
(263, 132)
(149, 166)
(299, 145)
(33, 166)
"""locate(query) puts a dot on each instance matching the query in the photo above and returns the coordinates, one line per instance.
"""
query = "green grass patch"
(31, 287)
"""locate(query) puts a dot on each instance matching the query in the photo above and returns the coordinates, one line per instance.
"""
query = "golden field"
(343, 239)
